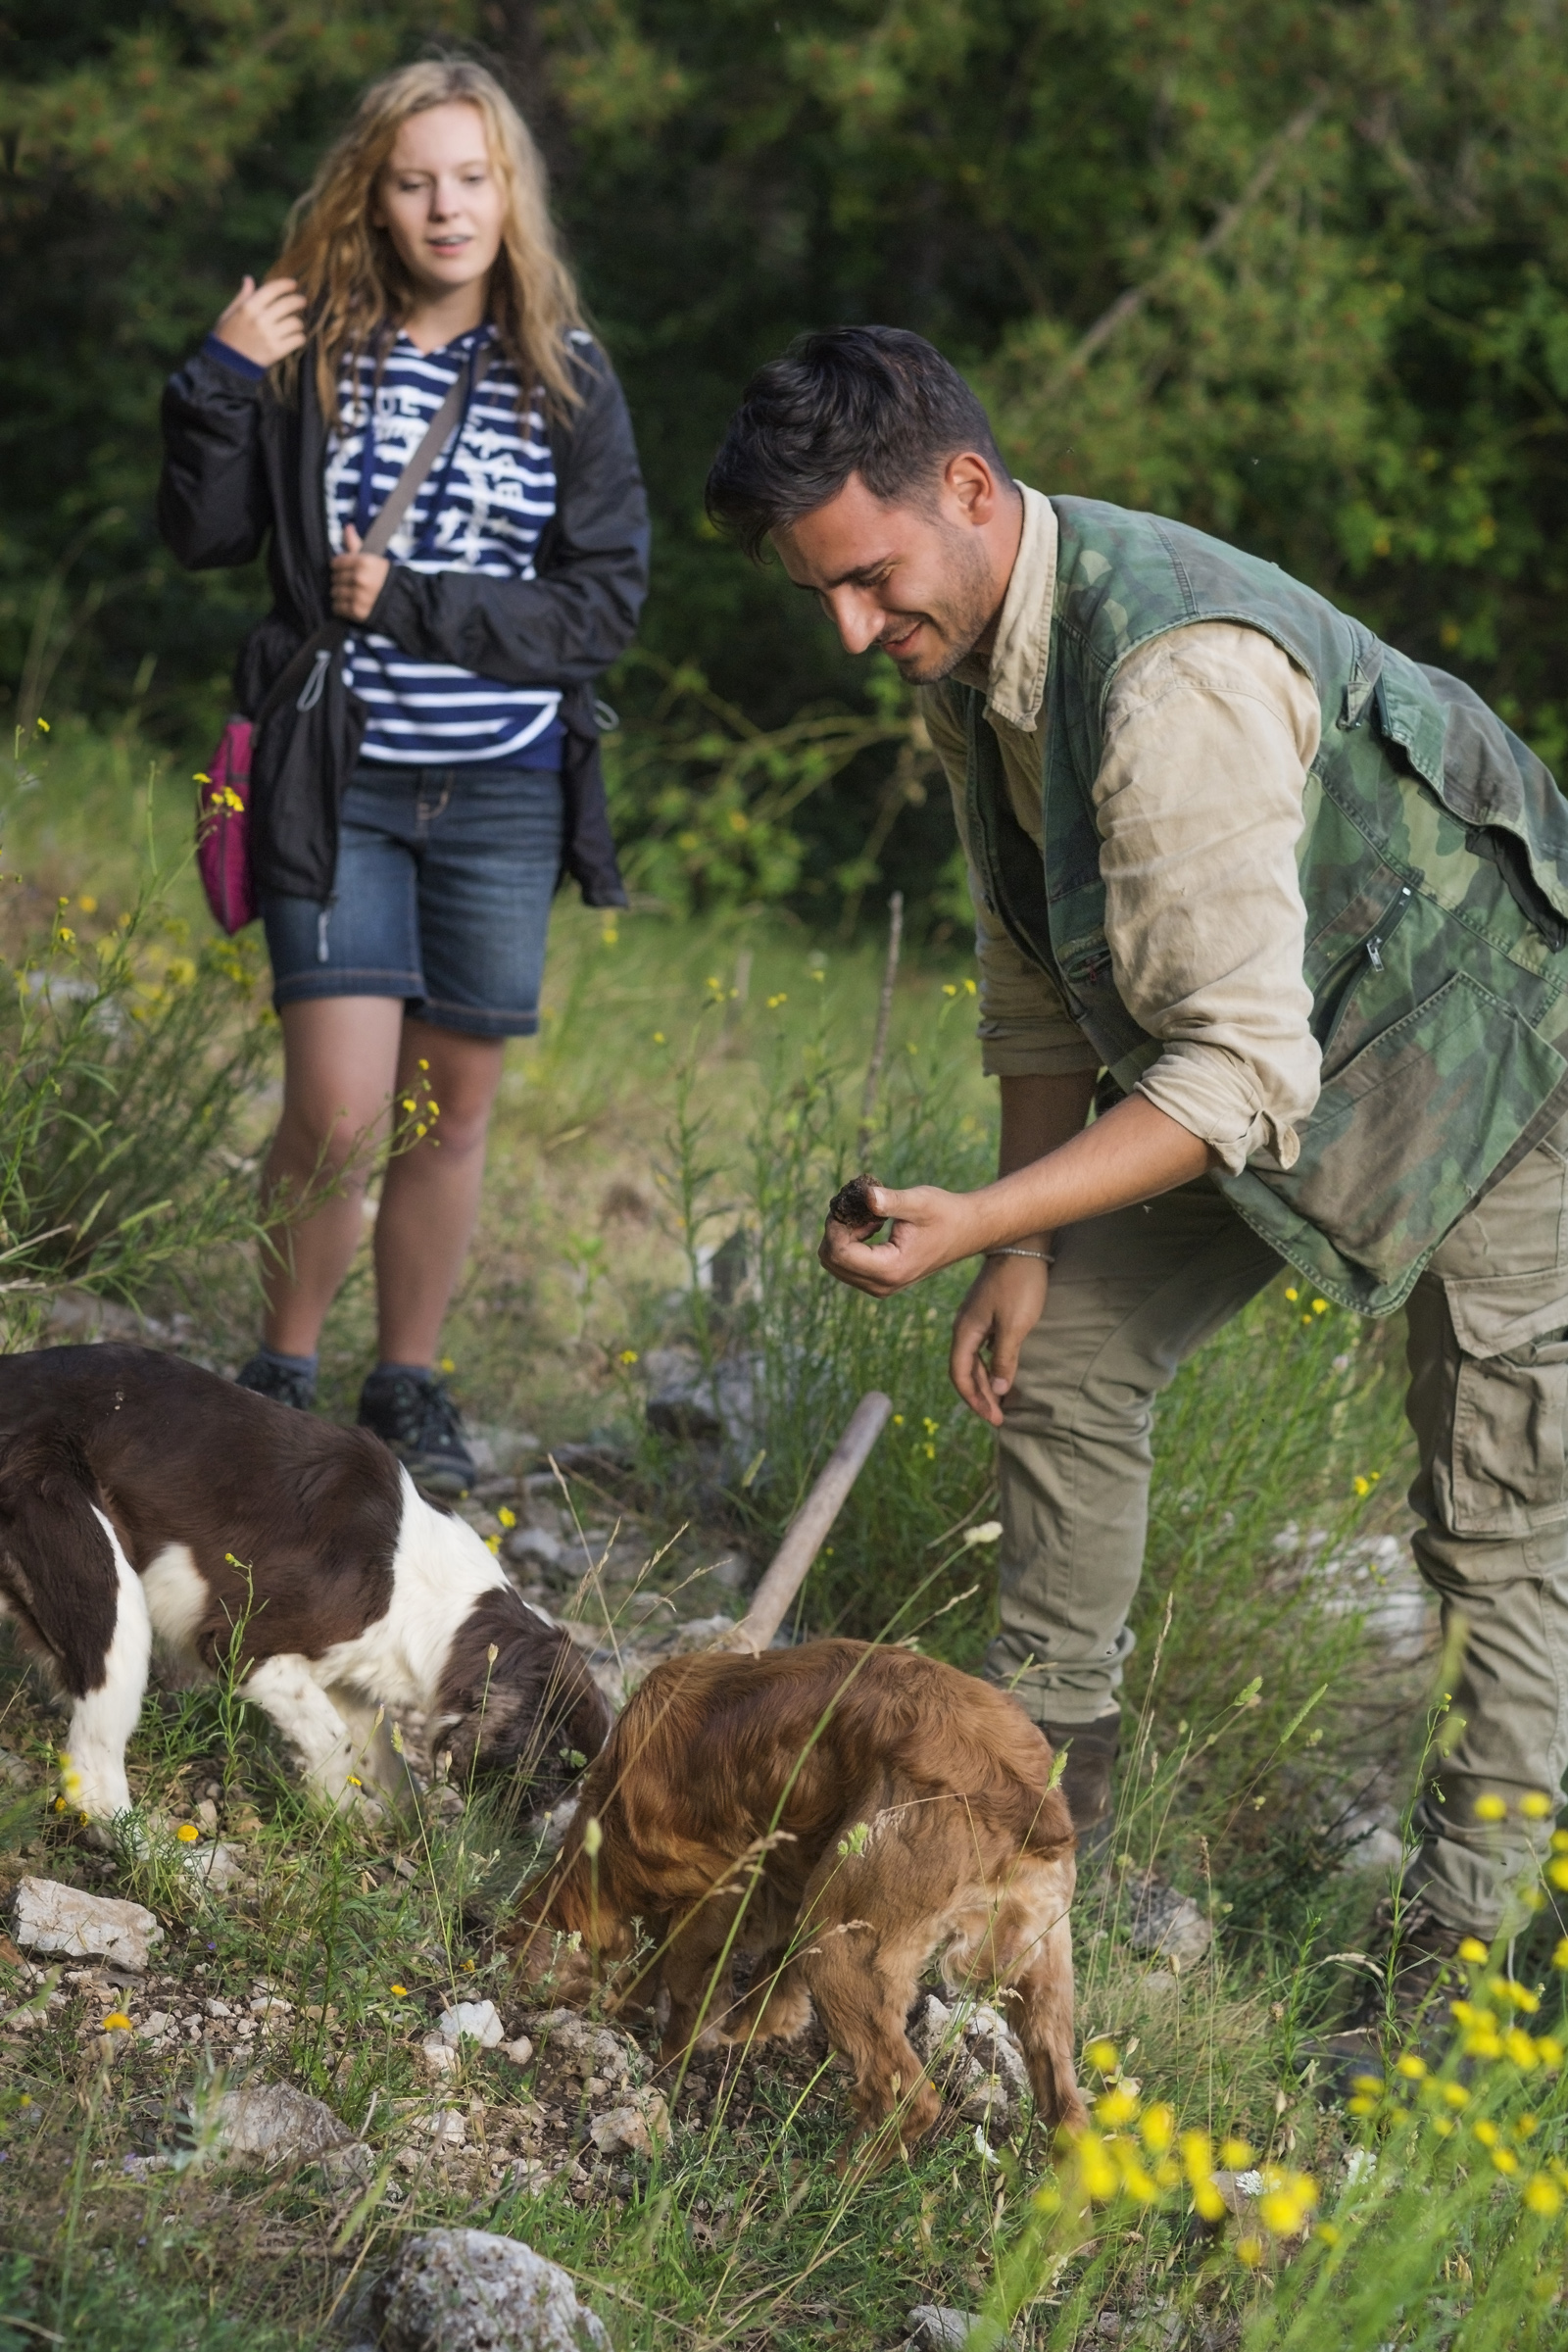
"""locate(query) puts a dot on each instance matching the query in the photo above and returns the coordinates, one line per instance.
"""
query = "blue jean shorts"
(444, 881)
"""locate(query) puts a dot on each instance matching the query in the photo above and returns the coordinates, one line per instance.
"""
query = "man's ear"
(970, 490)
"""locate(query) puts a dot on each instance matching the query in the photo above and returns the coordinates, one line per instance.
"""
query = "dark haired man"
(1289, 911)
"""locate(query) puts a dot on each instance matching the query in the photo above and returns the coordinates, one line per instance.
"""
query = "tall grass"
(131, 1052)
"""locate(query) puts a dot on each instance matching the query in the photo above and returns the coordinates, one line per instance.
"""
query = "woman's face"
(440, 201)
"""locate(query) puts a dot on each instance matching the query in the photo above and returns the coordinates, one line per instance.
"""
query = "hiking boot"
(1086, 1781)
(265, 1376)
(412, 1412)
(1422, 1965)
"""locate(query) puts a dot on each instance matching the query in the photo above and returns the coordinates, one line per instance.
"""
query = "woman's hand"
(1005, 1301)
(931, 1229)
(265, 322)
(358, 579)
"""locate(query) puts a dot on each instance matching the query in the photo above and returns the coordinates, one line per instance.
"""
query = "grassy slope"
(715, 1071)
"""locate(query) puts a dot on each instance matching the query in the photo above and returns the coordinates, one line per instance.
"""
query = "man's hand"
(263, 323)
(358, 579)
(931, 1229)
(1005, 1301)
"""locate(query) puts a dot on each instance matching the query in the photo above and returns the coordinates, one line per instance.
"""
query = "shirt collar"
(1014, 684)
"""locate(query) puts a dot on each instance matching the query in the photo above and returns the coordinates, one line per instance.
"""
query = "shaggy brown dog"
(841, 1812)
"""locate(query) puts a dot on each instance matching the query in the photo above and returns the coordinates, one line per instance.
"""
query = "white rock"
(634, 2129)
(217, 1865)
(156, 2022)
(52, 1918)
(936, 2327)
(518, 2051)
(474, 2021)
(441, 2057)
(535, 1544)
(448, 2127)
(276, 2121)
(467, 2290)
(13, 1770)
(973, 2042)
(591, 2050)
(1163, 1923)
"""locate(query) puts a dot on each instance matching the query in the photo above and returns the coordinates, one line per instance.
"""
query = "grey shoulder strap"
(405, 489)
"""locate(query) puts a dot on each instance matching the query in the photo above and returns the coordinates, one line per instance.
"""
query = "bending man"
(1288, 910)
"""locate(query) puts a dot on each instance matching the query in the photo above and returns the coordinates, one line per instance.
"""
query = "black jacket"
(241, 466)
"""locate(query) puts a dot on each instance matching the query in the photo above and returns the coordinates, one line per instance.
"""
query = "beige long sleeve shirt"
(1208, 735)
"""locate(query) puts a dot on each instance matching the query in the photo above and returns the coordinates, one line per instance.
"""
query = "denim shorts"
(444, 881)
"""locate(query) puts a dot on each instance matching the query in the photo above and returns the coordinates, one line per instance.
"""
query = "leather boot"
(1086, 1780)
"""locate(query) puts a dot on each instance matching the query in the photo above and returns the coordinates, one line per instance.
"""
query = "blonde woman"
(417, 797)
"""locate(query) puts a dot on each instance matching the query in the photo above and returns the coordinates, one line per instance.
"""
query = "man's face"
(922, 583)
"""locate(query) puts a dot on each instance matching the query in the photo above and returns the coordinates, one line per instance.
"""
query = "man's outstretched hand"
(931, 1229)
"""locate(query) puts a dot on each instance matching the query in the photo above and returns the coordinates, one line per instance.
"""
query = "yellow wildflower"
(87, 903)
(1250, 2250)
(507, 1515)
(1473, 1950)
(402, 1991)
(1234, 2155)
(1536, 1805)
(1455, 2094)
(187, 1833)
(1115, 2108)
(1320, 1306)
(1542, 2196)
(117, 2022)
(1506, 2159)
(1293, 1296)
(1102, 2055)
(1158, 2127)
(1096, 2169)
(627, 1355)
(1548, 2050)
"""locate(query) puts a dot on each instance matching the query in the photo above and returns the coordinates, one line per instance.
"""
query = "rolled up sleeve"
(1199, 800)
(1026, 1030)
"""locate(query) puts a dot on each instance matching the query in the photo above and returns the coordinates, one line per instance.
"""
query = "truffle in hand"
(852, 1205)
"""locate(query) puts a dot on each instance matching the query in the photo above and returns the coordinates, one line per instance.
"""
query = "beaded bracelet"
(1044, 1257)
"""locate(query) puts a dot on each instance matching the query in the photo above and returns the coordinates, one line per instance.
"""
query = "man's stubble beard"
(962, 618)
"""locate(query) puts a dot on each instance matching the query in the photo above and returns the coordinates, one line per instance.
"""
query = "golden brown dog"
(841, 1813)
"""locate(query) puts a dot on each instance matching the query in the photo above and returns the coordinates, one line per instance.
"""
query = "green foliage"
(129, 1056)
(1295, 272)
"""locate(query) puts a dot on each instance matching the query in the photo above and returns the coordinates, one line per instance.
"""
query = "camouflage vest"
(1434, 865)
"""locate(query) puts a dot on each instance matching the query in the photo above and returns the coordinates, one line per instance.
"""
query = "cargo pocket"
(1407, 1133)
(1508, 1467)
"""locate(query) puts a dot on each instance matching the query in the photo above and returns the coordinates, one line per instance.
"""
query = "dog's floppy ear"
(531, 1706)
(57, 1563)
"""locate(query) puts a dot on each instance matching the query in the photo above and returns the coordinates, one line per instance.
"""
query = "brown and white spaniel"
(141, 1496)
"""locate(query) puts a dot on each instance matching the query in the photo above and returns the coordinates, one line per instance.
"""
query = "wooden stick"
(809, 1530)
(884, 1015)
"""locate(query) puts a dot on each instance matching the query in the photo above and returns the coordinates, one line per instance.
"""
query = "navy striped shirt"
(481, 507)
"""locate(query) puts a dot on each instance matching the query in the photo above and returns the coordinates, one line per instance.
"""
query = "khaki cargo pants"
(1131, 1297)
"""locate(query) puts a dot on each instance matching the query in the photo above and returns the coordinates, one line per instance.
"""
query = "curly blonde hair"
(349, 270)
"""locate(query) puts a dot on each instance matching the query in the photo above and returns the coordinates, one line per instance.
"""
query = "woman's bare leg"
(430, 1195)
(340, 1063)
